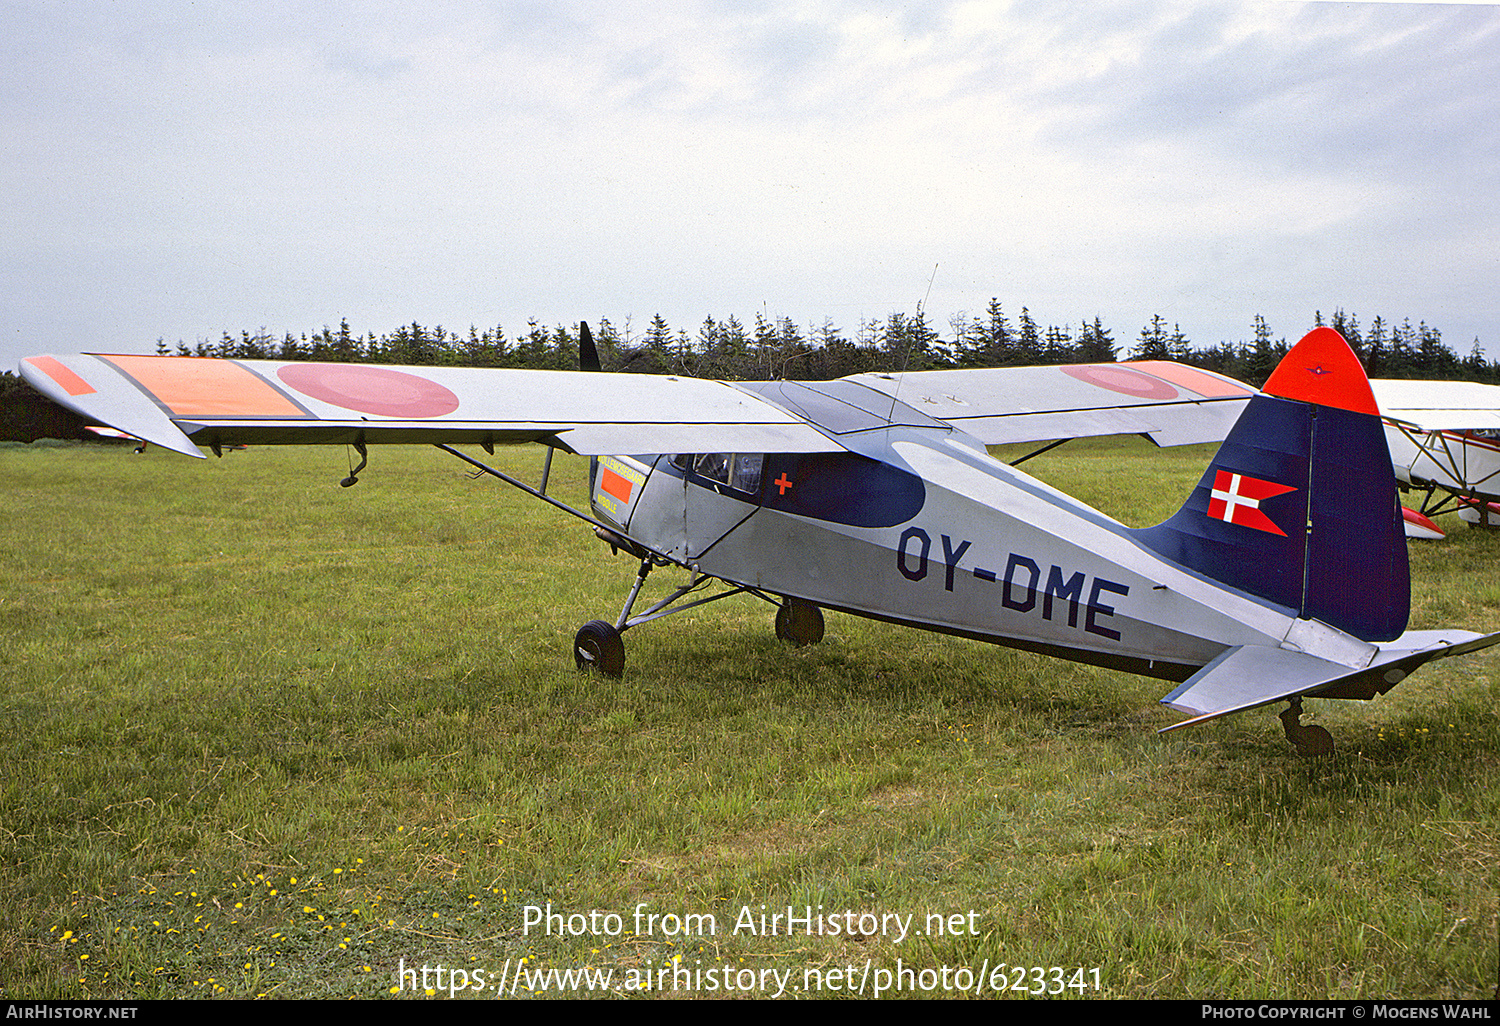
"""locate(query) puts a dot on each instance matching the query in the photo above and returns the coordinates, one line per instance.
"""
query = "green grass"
(272, 736)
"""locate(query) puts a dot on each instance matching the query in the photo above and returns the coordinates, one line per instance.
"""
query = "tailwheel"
(800, 623)
(597, 646)
(1310, 741)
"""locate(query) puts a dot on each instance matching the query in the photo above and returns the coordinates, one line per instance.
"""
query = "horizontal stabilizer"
(1249, 676)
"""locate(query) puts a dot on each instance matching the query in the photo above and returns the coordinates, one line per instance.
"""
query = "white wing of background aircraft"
(1444, 438)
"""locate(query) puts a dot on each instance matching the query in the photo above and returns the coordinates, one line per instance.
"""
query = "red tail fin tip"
(1323, 370)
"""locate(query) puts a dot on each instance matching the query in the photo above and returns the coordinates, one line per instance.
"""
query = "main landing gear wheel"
(597, 646)
(1310, 741)
(800, 623)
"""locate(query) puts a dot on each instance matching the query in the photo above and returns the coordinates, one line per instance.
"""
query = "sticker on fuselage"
(617, 487)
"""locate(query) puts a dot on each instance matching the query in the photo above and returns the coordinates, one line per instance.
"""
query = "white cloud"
(181, 172)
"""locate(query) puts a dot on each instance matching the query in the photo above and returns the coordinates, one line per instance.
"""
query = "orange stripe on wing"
(192, 387)
(1208, 385)
(71, 383)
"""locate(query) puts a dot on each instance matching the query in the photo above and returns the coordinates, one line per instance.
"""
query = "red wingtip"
(1323, 370)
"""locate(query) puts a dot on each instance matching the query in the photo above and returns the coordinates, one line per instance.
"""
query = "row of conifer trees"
(780, 348)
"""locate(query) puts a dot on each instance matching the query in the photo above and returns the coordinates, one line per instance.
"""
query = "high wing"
(1439, 405)
(180, 403)
(1170, 403)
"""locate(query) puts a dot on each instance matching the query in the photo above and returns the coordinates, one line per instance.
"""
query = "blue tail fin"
(1299, 506)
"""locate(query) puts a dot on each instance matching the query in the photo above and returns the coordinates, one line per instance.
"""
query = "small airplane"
(1444, 438)
(1283, 576)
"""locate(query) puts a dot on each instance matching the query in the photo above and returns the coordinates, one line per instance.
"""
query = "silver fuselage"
(988, 552)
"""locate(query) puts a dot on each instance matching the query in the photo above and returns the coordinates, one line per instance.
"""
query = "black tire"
(800, 623)
(597, 646)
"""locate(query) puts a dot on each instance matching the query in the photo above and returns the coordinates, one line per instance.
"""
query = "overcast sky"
(176, 170)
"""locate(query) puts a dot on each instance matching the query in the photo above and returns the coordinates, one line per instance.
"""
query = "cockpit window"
(739, 471)
(712, 465)
(744, 473)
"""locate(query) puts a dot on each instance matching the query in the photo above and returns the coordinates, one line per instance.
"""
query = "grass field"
(270, 736)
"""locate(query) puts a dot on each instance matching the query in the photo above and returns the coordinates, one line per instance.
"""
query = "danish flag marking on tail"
(1236, 499)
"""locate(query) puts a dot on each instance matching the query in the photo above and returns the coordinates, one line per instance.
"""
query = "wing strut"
(485, 468)
(1046, 448)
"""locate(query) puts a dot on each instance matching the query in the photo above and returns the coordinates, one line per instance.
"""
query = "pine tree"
(1060, 347)
(765, 347)
(839, 355)
(1434, 359)
(1028, 344)
(684, 357)
(1377, 355)
(1348, 326)
(790, 346)
(531, 351)
(1152, 345)
(906, 341)
(1262, 358)
(998, 347)
(1402, 359)
(1095, 344)
(736, 345)
(564, 349)
(345, 350)
(1178, 345)
(1475, 368)
(607, 342)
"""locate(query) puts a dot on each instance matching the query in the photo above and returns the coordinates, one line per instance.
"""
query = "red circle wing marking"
(377, 390)
(1122, 380)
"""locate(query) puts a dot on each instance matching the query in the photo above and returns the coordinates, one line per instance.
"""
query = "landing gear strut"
(597, 646)
(1310, 741)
